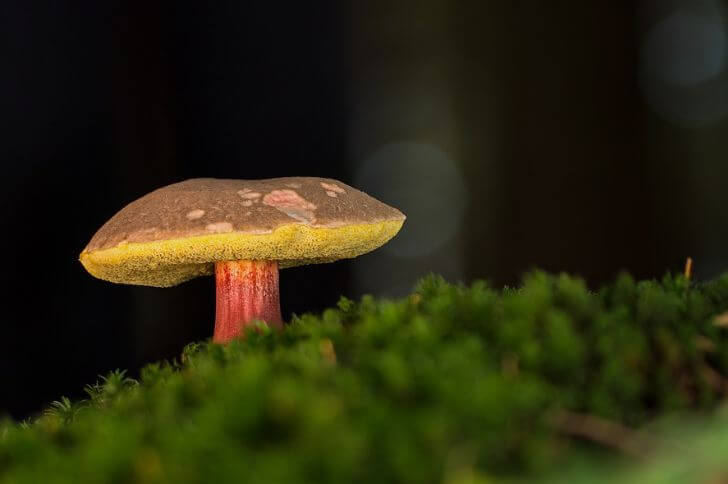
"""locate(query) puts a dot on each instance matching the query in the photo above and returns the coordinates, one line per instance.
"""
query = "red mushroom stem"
(246, 290)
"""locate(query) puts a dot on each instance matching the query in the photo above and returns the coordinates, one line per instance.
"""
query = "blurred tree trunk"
(566, 184)
(145, 142)
(142, 97)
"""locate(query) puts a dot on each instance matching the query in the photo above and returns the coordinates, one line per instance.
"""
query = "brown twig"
(604, 432)
(688, 268)
(712, 377)
(721, 320)
(704, 344)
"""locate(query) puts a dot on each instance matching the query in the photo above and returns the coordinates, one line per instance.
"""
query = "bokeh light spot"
(685, 48)
(423, 182)
(682, 65)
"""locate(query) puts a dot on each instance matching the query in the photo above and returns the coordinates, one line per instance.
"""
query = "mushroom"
(243, 231)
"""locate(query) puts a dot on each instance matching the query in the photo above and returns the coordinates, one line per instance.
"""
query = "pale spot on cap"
(304, 216)
(332, 187)
(292, 204)
(330, 193)
(195, 214)
(293, 185)
(142, 234)
(247, 203)
(219, 227)
(287, 198)
(249, 195)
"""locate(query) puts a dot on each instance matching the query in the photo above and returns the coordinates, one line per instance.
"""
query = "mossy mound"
(452, 384)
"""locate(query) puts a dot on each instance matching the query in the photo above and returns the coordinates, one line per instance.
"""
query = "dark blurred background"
(587, 137)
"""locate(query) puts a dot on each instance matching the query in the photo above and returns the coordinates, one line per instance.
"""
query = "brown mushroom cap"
(178, 232)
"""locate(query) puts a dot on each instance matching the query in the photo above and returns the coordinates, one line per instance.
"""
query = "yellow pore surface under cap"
(165, 263)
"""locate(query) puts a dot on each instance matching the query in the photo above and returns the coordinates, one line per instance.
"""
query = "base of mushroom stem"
(246, 291)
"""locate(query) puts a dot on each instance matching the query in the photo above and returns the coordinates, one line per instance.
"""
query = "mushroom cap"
(178, 232)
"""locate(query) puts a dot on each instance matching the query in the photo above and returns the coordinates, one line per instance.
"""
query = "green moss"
(454, 383)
